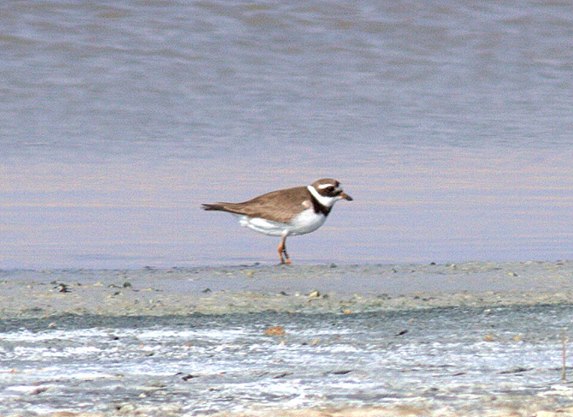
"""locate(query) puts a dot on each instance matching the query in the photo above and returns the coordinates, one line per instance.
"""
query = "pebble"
(275, 331)
(63, 288)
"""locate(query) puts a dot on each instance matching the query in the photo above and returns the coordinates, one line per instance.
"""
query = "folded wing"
(276, 206)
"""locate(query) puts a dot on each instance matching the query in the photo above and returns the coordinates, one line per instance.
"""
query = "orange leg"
(282, 251)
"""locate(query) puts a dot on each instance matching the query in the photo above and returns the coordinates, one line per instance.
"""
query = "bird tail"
(232, 208)
(215, 207)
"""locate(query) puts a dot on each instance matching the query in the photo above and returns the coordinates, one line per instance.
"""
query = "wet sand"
(339, 290)
(399, 411)
(307, 289)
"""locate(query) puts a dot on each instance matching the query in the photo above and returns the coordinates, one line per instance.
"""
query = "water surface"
(450, 124)
(456, 360)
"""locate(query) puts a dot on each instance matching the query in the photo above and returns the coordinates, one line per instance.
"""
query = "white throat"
(325, 201)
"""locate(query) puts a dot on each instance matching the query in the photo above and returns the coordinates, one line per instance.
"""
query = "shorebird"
(287, 212)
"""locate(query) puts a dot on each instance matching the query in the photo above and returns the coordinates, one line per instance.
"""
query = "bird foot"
(285, 260)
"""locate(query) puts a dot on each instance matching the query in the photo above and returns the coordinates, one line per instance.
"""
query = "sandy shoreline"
(528, 410)
(306, 289)
(533, 409)
(340, 290)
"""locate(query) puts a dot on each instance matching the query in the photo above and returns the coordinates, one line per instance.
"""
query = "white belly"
(306, 222)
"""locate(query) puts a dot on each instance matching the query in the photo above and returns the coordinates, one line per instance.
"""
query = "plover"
(288, 212)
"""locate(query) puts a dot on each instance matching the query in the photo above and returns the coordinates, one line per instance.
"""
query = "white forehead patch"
(323, 186)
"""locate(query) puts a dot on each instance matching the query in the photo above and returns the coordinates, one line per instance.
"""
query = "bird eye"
(330, 189)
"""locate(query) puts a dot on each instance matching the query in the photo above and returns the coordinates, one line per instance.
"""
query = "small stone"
(125, 408)
(341, 372)
(39, 390)
(314, 294)
(63, 288)
(489, 338)
(347, 311)
(275, 331)
(517, 370)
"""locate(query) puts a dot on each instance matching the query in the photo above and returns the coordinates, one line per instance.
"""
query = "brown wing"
(277, 206)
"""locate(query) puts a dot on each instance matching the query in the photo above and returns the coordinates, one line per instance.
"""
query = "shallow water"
(449, 124)
(459, 359)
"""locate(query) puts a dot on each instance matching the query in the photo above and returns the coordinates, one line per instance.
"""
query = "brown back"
(277, 205)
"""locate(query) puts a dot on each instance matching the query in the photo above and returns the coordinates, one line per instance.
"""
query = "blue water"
(450, 124)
